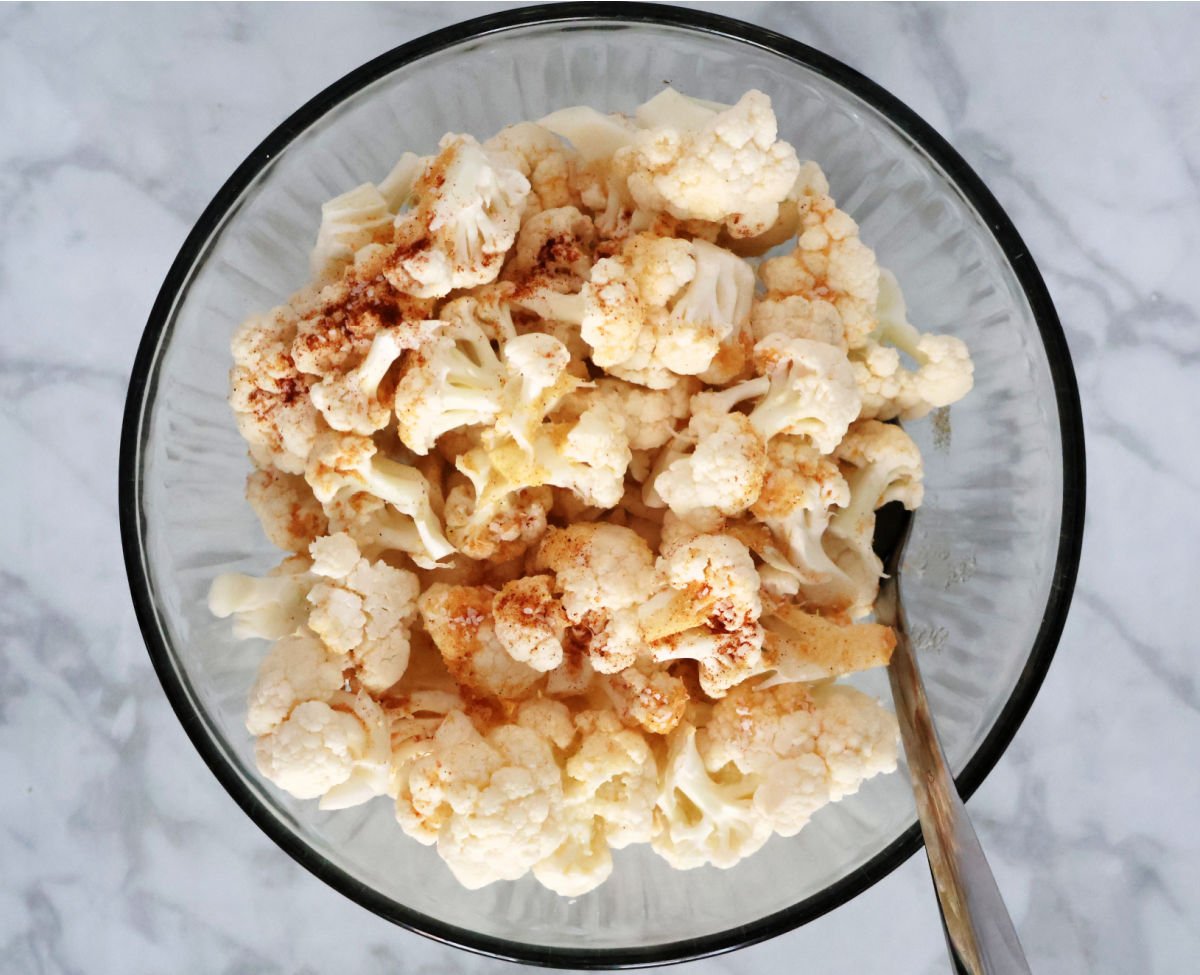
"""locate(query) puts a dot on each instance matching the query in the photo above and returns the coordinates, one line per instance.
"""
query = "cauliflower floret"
(397, 186)
(588, 457)
(710, 612)
(829, 261)
(268, 607)
(807, 746)
(715, 166)
(801, 647)
(466, 210)
(291, 516)
(269, 394)
(644, 697)
(537, 381)
(455, 381)
(702, 818)
(530, 622)
(582, 862)
(491, 518)
(298, 668)
(613, 773)
(881, 464)
(343, 465)
(944, 374)
(603, 572)
(490, 802)
(460, 621)
(722, 474)
(807, 390)
(554, 250)
(540, 156)
(652, 416)
(801, 488)
(360, 401)
(363, 608)
(798, 317)
(339, 751)
(358, 217)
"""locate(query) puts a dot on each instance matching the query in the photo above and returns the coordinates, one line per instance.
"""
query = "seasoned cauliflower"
(710, 612)
(714, 469)
(715, 165)
(465, 213)
(578, 488)
(829, 261)
(460, 621)
(530, 622)
(270, 396)
(291, 516)
(603, 573)
(343, 465)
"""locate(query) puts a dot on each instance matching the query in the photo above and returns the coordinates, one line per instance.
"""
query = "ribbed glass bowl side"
(983, 558)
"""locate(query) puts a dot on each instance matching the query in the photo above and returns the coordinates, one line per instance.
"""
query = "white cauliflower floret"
(613, 774)
(610, 788)
(798, 317)
(491, 518)
(704, 819)
(364, 608)
(829, 262)
(801, 647)
(490, 802)
(710, 612)
(719, 166)
(530, 622)
(359, 400)
(881, 464)
(298, 668)
(460, 621)
(603, 573)
(589, 457)
(806, 746)
(801, 488)
(397, 186)
(554, 250)
(944, 373)
(350, 221)
(344, 464)
(455, 381)
(537, 381)
(807, 389)
(652, 416)
(269, 607)
(466, 210)
(339, 751)
(269, 394)
(714, 469)
(291, 516)
(646, 697)
(540, 156)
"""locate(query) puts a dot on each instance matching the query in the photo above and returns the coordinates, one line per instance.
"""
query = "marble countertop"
(118, 123)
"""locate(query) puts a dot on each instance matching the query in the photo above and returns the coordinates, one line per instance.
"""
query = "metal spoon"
(979, 933)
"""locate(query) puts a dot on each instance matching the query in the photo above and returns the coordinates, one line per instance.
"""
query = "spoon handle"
(979, 933)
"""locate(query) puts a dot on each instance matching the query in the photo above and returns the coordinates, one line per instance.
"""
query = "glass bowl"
(996, 545)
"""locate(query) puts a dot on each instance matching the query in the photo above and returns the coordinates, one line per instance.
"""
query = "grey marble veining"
(118, 850)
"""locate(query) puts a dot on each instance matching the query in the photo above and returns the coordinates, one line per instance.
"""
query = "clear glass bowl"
(996, 544)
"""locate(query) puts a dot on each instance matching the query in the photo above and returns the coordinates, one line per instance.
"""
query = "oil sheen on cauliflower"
(573, 445)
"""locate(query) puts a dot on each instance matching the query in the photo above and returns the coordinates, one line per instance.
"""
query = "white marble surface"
(120, 853)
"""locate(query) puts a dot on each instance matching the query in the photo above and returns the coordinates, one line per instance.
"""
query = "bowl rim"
(143, 383)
